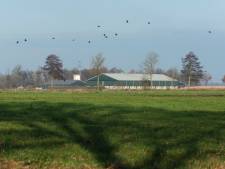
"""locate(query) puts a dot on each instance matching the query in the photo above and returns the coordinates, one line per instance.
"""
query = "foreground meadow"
(116, 130)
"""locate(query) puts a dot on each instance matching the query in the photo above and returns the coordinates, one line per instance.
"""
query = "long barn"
(133, 81)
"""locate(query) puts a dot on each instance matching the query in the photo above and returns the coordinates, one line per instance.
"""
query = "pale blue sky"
(177, 27)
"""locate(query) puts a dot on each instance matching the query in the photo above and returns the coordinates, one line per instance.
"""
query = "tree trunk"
(51, 83)
(189, 80)
(189, 77)
(151, 83)
(98, 83)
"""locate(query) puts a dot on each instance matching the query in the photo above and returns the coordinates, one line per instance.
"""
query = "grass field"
(116, 130)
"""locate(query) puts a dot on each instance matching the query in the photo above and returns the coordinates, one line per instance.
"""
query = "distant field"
(114, 130)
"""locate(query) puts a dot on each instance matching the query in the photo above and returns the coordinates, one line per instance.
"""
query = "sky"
(177, 27)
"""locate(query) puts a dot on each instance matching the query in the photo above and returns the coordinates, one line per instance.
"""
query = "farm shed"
(65, 84)
(133, 81)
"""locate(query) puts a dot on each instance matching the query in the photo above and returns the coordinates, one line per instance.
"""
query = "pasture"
(115, 130)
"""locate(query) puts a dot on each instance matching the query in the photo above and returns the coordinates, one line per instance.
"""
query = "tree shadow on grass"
(94, 126)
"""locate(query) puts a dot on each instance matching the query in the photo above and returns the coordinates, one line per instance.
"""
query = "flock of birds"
(89, 41)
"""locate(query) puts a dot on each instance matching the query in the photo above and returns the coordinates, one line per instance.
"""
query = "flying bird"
(209, 32)
(53, 38)
(127, 21)
(116, 34)
(99, 26)
(25, 40)
(73, 40)
(17, 42)
(149, 23)
(89, 41)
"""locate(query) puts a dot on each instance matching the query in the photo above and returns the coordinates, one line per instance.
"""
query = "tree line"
(192, 72)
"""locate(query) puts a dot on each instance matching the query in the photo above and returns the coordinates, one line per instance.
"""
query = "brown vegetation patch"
(13, 165)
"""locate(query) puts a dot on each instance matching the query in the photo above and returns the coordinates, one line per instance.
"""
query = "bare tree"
(223, 79)
(174, 73)
(206, 78)
(40, 76)
(97, 65)
(132, 71)
(159, 71)
(149, 65)
(2, 81)
(16, 76)
(115, 70)
(68, 74)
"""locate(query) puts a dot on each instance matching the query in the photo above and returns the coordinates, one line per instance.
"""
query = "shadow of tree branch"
(95, 121)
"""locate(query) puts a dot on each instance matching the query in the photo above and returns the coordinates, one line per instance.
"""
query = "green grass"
(127, 130)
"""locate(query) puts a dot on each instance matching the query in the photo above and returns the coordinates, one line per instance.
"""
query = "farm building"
(65, 84)
(75, 83)
(133, 81)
